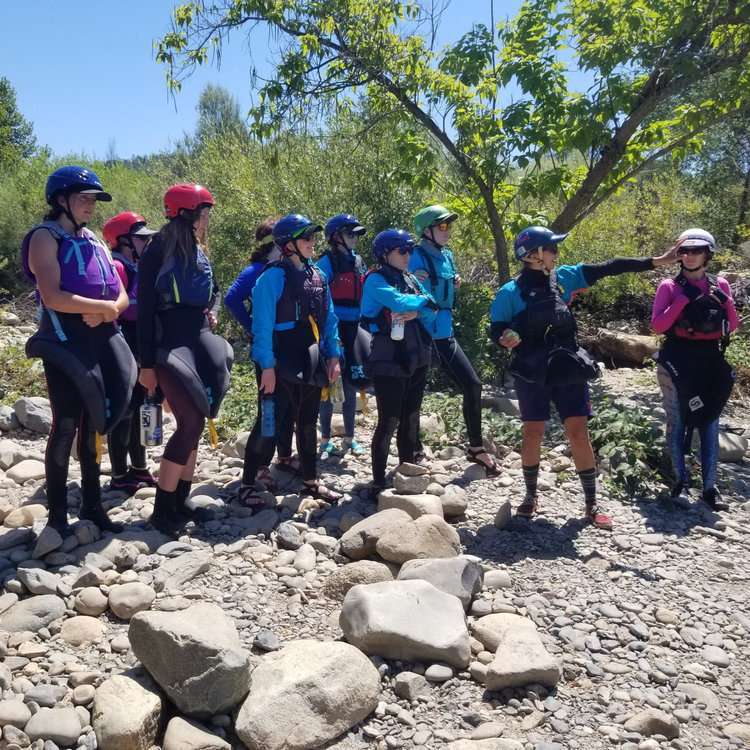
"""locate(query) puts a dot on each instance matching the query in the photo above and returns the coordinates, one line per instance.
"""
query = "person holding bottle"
(398, 313)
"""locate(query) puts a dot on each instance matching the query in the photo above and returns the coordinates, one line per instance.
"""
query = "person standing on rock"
(238, 300)
(531, 316)
(177, 304)
(127, 235)
(432, 263)
(398, 312)
(345, 271)
(88, 366)
(295, 344)
(696, 312)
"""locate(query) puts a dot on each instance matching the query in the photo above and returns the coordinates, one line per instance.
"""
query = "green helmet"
(430, 215)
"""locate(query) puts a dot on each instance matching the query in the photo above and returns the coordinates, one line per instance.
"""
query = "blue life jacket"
(442, 284)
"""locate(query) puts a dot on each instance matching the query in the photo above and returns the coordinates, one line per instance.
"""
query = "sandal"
(249, 497)
(489, 465)
(287, 464)
(319, 491)
(264, 478)
(598, 519)
(528, 508)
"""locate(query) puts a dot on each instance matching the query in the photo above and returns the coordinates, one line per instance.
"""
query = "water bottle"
(397, 329)
(151, 418)
(268, 417)
(337, 391)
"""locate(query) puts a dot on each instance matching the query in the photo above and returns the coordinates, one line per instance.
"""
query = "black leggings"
(125, 438)
(399, 404)
(68, 416)
(296, 405)
(456, 364)
(190, 421)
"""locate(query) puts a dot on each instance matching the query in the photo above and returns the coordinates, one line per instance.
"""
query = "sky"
(85, 74)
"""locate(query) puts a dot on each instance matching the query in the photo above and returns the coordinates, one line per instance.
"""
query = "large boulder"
(32, 614)
(34, 413)
(625, 348)
(340, 581)
(305, 695)
(186, 735)
(458, 576)
(415, 505)
(195, 655)
(175, 572)
(410, 620)
(520, 656)
(360, 541)
(426, 536)
(126, 714)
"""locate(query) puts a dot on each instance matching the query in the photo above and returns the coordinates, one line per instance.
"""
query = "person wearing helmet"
(177, 304)
(88, 366)
(238, 300)
(531, 316)
(295, 344)
(432, 263)
(345, 270)
(127, 235)
(398, 368)
(696, 312)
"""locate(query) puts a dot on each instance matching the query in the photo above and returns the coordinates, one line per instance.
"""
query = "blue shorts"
(569, 400)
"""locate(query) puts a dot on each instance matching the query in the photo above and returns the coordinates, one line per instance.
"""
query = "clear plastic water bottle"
(268, 416)
(337, 391)
(151, 422)
(397, 329)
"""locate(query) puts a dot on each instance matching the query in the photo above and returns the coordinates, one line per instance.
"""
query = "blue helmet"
(532, 238)
(343, 221)
(74, 179)
(292, 227)
(390, 239)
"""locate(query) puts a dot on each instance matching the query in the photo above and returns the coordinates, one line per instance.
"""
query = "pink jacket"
(669, 303)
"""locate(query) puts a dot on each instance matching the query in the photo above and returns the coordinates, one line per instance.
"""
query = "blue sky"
(85, 74)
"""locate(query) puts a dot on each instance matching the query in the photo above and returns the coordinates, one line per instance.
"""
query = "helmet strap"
(431, 238)
(66, 210)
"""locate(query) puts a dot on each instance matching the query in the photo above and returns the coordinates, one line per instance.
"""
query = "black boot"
(199, 515)
(712, 498)
(58, 517)
(95, 512)
(165, 517)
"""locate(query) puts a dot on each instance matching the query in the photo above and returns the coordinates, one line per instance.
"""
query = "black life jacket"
(396, 358)
(348, 277)
(705, 315)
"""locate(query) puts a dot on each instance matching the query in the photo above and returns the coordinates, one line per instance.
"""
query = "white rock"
(186, 735)
(653, 721)
(34, 413)
(38, 581)
(90, 601)
(82, 629)
(410, 485)
(175, 572)
(361, 539)
(423, 537)
(26, 515)
(14, 712)
(305, 558)
(455, 501)
(26, 470)
(32, 614)
(415, 505)
(363, 571)
(495, 743)
(732, 447)
(410, 620)
(305, 695)
(48, 541)
(60, 725)
(458, 576)
(127, 599)
(126, 714)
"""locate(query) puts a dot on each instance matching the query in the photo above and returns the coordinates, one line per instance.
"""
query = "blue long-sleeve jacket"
(443, 288)
(240, 293)
(378, 293)
(266, 294)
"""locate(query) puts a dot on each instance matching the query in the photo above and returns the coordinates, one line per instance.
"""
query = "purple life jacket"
(86, 267)
(130, 313)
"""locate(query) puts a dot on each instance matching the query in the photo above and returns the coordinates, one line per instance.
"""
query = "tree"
(218, 114)
(498, 105)
(16, 133)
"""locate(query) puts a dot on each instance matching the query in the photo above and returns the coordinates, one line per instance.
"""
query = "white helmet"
(697, 238)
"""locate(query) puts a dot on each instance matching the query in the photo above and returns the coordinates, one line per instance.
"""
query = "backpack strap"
(431, 272)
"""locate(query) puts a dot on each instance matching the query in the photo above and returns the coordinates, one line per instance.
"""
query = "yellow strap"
(325, 393)
(213, 436)
(363, 405)
(315, 331)
(175, 290)
(98, 446)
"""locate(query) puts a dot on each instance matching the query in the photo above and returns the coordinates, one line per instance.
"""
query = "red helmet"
(123, 223)
(186, 196)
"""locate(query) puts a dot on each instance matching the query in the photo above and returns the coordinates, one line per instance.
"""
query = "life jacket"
(301, 314)
(190, 285)
(702, 318)
(396, 358)
(348, 276)
(549, 353)
(86, 267)
(130, 314)
(443, 288)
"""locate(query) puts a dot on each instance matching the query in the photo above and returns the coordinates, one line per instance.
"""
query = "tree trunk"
(498, 236)
(742, 216)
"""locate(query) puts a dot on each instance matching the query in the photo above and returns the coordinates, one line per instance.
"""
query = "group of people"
(134, 319)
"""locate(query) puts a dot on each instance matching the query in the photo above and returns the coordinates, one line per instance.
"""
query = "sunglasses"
(693, 250)
(401, 250)
(443, 226)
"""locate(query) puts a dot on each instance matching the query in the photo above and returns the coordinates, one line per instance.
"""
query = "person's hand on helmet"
(669, 257)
